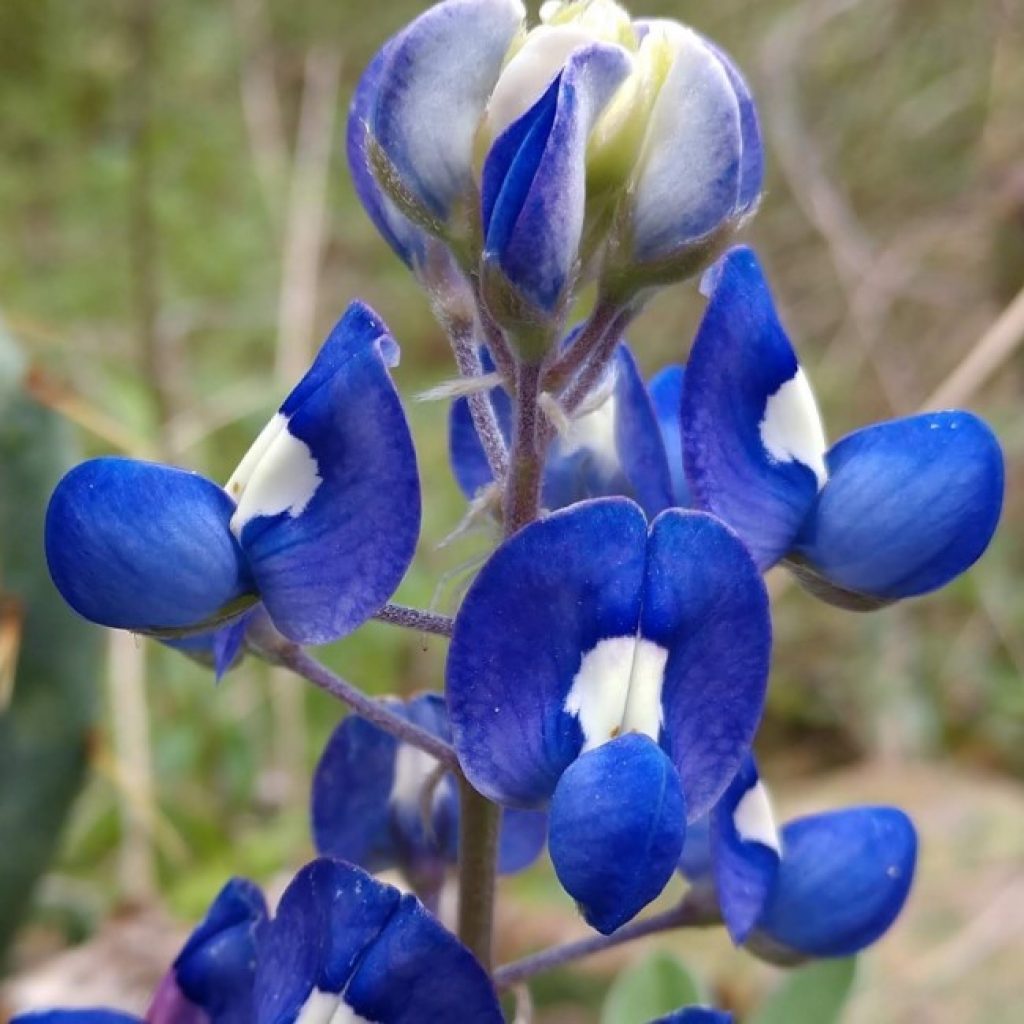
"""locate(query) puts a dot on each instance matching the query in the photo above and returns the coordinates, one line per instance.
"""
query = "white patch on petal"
(530, 72)
(243, 472)
(617, 688)
(412, 769)
(754, 820)
(328, 1008)
(791, 428)
(594, 432)
(283, 477)
(643, 707)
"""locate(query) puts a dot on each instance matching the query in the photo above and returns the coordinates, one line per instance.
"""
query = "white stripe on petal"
(791, 428)
(617, 689)
(412, 769)
(283, 478)
(754, 820)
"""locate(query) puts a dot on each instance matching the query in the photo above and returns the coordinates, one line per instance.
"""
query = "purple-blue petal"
(404, 237)
(534, 178)
(695, 1015)
(216, 967)
(465, 452)
(695, 863)
(83, 1016)
(740, 359)
(705, 604)
(543, 600)
(219, 649)
(325, 568)
(437, 76)
(638, 438)
(909, 505)
(843, 881)
(618, 819)
(666, 391)
(145, 547)
(745, 867)
(329, 916)
(416, 972)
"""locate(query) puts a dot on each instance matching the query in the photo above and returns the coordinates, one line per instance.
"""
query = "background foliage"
(179, 230)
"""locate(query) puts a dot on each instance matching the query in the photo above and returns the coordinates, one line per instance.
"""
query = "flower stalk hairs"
(608, 666)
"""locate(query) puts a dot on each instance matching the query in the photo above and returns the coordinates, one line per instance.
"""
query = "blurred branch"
(306, 214)
(261, 105)
(129, 720)
(986, 356)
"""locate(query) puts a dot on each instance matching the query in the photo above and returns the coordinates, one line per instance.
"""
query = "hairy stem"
(522, 494)
(274, 648)
(479, 827)
(596, 362)
(467, 358)
(568, 364)
(695, 910)
(416, 619)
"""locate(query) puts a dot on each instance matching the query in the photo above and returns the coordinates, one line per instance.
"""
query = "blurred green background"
(178, 231)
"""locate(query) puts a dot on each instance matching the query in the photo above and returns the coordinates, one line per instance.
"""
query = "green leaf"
(47, 716)
(811, 995)
(654, 987)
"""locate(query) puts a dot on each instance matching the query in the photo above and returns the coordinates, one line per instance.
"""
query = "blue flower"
(319, 521)
(695, 1015)
(211, 980)
(369, 799)
(618, 671)
(891, 511)
(341, 943)
(828, 885)
(618, 445)
(344, 943)
(533, 191)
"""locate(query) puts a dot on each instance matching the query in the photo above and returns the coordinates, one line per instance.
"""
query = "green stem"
(479, 825)
(522, 496)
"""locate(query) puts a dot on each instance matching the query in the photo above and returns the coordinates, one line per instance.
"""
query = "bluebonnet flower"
(210, 981)
(377, 803)
(341, 946)
(614, 445)
(344, 946)
(318, 522)
(616, 670)
(891, 511)
(827, 885)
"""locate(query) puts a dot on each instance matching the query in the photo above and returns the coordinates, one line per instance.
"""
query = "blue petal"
(752, 150)
(219, 649)
(909, 504)
(437, 76)
(666, 391)
(844, 878)
(695, 863)
(351, 794)
(523, 834)
(144, 547)
(418, 973)
(399, 232)
(329, 916)
(745, 848)
(689, 179)
(329, 550)
(740, 360)
(91, 1016)
(543, 600)
(704, 604)
(216, 968)
(618, 819)
(638, 438)
(534, 178)
(695, 1015)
